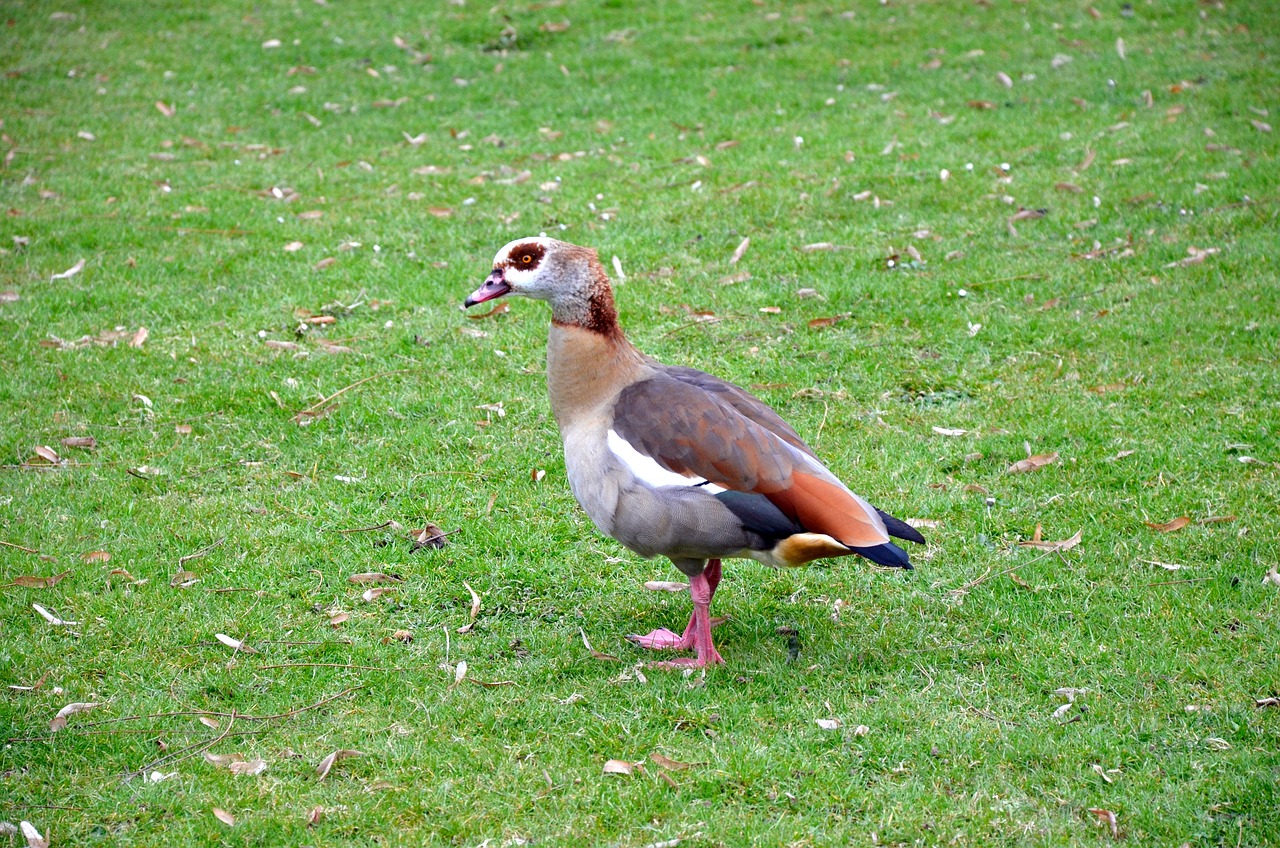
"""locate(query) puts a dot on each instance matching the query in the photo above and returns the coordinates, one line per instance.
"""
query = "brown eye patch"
(526, 255)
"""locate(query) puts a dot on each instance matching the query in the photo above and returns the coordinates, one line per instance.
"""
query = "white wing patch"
(647, 470)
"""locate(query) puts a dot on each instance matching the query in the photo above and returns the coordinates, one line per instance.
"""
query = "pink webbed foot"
(662, 639)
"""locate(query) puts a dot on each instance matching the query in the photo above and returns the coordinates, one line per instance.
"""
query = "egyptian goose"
(672, 461)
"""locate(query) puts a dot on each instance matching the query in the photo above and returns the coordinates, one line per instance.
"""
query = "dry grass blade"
(500, 309)
(51, 618)
(475, 610)
(594, 653)
(1064, 545)
(327, 763)
(668, 763)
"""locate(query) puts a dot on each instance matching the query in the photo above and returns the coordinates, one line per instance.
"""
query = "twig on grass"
(320, 403)
(982, 712)
(202, 552)
(18, 547)
(333, 665)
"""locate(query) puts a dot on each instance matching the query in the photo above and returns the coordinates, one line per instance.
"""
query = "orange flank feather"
(822, 507)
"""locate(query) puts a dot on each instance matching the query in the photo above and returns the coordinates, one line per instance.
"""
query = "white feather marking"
(647, 470)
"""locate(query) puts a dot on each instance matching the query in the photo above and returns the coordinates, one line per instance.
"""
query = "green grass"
(952, 667)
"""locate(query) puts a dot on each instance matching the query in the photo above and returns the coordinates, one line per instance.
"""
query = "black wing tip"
(900, 529)
(888, 554)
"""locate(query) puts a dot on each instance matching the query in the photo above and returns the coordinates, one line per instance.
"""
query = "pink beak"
(494, 286)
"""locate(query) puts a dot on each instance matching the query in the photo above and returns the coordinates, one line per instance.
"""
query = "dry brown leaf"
(96, 556)
(439, 211)
(1064, 545)
(740, 251)
(981, 104)
(324, 263)
(293, 246)
(59, 721)
(234, 644)
(816, 247)
(375, 577)
(1025, 214)
(1031, 463)
(184, 579)
(9, 296)
(594, 653)
(311, 215)
(222, 760)
(33, 837)
(771, 310)
(501, 309)
(1216, 519)
(823, 323)
(165, 109)
(275, 344)
(224, 817)
(618, 767)
(249, 767)
(139, 337)
(29, 582)
(493, 684)
(459, 674)
(85, 442)
(1108, 818)
(475, 609)
(1068, 187)
(327, 763)
(314, 815)
(48, 454)
(338, 619)
(537, 475)
(1170, 526)
(827, 723)
(209, 722)
(668, 763)
(430, 536)
(372, 594)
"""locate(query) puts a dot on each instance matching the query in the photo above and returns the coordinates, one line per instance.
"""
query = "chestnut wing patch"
(693, 432)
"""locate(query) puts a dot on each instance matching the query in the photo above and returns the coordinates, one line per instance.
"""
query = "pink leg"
(697, 634)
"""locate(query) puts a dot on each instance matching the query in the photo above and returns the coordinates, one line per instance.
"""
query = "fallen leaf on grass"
(1167, 566)
(139, 337)
(430, 536)
(338, 619)
(375, 577)
(949, 431)
(372, 594)
(596, 654)
(666, 586)
(618, 767)
(668, 763)
(1195, 257)
(1170, 526)
(1107, 818)
(1272, 577)
(47, 454)
(234, 644)
(51, 618)
(165, 109)
(501, 309)
(1267, 702)
(184, 580)
(1031, 463)
(222, 760)
(30, 582)
(224, 817)
(327, 763)
(740, 251)
(828, 723)
(161, 776)
(249, 767)
(324, 263)
(822, 323)
(59, 721)
(314, 815)
(85, 442)
(96, 556)
(71, 272)
(1064, 545)
(33, 837)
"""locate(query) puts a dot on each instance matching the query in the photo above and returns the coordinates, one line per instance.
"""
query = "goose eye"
(526, 259)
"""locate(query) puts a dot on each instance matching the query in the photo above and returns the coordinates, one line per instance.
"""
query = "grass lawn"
(1044, 228)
